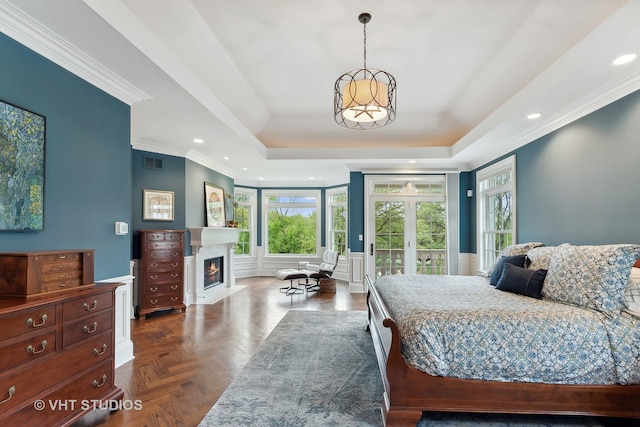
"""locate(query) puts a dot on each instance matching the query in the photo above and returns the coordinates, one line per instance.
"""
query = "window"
(292, 223)
(337, 220)
(496, 209)
(244, 214)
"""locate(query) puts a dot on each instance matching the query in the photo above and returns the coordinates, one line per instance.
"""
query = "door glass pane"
(431, 238)
(389, 236)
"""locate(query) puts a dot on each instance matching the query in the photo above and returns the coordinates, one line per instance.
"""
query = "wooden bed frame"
(408, 392)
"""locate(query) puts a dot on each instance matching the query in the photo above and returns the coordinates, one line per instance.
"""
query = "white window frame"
(507, 164)
(297, 193)
(253, 219)
(329, 216)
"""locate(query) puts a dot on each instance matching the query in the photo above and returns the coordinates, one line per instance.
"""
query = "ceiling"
(254, 79)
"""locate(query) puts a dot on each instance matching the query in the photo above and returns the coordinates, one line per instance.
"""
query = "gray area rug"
(318, 368)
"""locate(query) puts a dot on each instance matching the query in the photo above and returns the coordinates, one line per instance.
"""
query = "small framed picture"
(157, 205)
(214, 205)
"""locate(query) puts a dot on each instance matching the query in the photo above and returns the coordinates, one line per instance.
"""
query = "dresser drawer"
(60, 281)
(91, 325)
(161, 301)
(163, 246)
(155, 277)
(79, 307)
(27, 350)
(160, 265)
(155, 289)
(29, 320)
(78, 394)
(164, 255)
(48, 372)
(165, 235)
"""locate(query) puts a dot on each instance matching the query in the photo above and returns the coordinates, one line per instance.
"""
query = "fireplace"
(213, 250)
(213, 271)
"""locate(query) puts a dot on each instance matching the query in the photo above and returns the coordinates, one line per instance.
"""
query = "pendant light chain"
(365, 45)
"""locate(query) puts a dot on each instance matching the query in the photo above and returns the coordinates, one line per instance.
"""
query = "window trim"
(507, 164)
(329, 213)
(253, 220)
(265, 217)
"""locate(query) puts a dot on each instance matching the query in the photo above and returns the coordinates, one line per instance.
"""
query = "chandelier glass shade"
(365, 98)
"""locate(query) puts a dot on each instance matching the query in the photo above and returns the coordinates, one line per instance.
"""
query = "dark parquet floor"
(184, 361)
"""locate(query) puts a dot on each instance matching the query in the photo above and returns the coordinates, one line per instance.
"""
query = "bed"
(427, 367)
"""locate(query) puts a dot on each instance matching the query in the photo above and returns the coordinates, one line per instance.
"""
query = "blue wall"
(170, 177)
(87, 160)
(578, 184)
(356, 211)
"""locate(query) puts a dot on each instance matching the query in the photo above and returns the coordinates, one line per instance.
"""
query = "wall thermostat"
(122, 228)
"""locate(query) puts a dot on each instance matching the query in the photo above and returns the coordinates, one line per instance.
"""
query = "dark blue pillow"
(521, 281)
(497, 270)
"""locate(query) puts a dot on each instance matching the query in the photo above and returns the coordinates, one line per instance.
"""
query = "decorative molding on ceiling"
(37, 37)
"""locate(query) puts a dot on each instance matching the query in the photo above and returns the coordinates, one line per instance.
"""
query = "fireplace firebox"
(213, 272)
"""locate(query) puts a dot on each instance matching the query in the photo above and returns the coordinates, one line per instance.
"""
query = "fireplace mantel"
(207, 236)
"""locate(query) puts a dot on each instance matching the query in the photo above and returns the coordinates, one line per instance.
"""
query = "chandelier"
(365, 98)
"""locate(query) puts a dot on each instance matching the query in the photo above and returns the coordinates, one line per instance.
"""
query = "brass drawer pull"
(102, 382)
(153, 301)
(174, 254)
(62, 257)
(91, 307)
(154, 276)
(153, 289)
(32, 350)
(33, 324)
(100, 352)
(62, 285)
(86, 329)
(174, 298)
(174, 264)
(174, 275)
(10, 393)
(174, 287)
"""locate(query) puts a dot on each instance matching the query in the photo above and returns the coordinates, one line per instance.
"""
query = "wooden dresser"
(57, 356)
(161, 273)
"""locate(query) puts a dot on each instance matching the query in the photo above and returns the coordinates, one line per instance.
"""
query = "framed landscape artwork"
(157, 205)
(214, 205)
(22, 138)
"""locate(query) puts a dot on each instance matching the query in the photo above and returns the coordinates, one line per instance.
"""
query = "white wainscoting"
(123, 313)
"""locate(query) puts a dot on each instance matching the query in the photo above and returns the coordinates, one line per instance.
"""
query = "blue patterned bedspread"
(460, 326)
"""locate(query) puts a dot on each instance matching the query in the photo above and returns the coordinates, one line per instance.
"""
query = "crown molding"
(34, 35)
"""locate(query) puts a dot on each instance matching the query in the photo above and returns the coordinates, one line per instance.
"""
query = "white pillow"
(632, 293)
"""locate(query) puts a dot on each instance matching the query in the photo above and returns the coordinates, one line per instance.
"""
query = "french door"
(406, 230)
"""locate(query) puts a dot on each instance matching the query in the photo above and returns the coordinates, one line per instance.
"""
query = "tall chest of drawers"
(57, 356)
(161, 273)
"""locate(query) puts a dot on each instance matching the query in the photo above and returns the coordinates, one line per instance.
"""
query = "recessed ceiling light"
(226, 157)
(625, 59)
(198, 140)
(260, 178)
(311, 178)
(412, 161)
(244, 169)
(533, 116)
